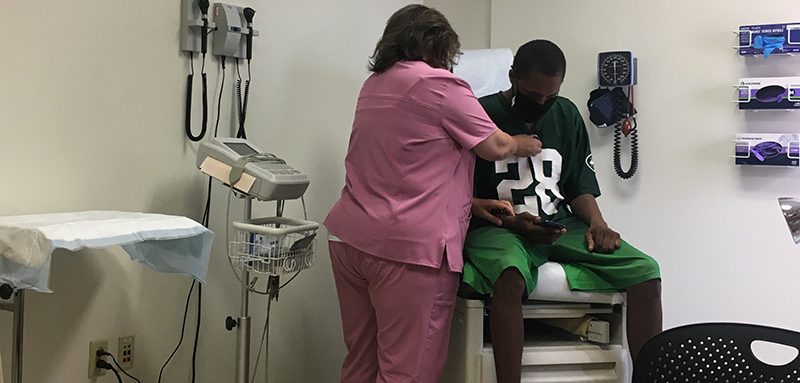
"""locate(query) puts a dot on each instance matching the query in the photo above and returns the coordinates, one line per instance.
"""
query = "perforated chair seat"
(714, 353)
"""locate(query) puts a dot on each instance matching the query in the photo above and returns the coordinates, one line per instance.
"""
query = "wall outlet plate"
(125, 351)
(93, 347)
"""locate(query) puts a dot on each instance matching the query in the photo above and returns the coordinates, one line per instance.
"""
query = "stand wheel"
(230, 323)
(6, 291)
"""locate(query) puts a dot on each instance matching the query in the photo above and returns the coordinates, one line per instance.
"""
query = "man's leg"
(644, 314)
(506, 325)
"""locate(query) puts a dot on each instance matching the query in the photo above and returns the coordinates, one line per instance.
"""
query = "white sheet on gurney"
(169, 244)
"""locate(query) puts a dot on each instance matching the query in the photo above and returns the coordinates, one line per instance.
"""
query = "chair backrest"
(714, 353)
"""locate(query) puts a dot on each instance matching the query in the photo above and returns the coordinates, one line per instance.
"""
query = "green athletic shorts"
(490, 249)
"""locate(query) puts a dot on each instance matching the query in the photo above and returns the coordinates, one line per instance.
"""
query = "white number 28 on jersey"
(526, 178)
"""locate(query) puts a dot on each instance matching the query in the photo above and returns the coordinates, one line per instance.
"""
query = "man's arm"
(599, 238)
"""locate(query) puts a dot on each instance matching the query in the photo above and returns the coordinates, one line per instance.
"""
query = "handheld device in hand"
(553, 224)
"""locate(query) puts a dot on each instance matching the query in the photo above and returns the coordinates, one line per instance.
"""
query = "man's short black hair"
(539, 56)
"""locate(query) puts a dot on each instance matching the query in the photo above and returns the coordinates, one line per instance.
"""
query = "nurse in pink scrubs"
(397, 232)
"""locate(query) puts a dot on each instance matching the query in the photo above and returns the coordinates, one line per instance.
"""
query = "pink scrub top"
(408, 188)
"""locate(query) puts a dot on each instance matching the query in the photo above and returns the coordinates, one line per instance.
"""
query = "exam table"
(548, 356)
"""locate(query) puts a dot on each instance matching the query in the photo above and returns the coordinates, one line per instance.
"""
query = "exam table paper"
(169, 244)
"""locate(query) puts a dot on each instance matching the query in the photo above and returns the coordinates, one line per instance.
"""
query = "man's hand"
(527, 225)
(601, 239)
(527, 146)
(491, 209)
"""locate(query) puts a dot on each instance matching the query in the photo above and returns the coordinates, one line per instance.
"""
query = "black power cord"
(204, 222)
(242, 100)
(104, 353)
(219, 101)
(107, 366)
(197, 331)
(183, 327)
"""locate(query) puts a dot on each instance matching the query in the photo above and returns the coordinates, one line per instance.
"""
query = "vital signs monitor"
(237, 162)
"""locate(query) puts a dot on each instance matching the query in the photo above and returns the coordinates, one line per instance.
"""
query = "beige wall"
(470, 18)
(716, 228)
(91, 117)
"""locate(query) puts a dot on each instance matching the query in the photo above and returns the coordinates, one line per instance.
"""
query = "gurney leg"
(19, 320)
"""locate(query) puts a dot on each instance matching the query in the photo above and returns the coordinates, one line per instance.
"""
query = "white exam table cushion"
(553, 286)
(169, 244)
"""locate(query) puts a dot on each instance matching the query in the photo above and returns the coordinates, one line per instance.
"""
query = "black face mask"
(530, 111)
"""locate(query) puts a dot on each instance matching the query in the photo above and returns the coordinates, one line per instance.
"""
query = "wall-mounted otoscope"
(203, 5)
(248, 16)
(195, 27)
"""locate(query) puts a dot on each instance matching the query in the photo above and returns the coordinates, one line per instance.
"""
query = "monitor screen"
(241, 148)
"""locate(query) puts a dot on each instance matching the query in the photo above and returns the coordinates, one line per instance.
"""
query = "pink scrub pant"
(396, 317)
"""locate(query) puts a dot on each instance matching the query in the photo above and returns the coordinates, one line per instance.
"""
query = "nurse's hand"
(491, 209)
(527, 146)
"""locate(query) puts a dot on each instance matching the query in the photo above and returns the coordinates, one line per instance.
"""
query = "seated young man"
(557, 184)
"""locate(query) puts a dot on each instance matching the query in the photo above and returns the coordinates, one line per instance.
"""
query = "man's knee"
(510, 283)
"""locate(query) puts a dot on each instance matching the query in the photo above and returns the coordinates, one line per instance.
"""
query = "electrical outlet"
(93, 358)
(125, 352)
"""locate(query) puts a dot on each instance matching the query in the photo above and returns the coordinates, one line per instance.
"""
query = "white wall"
(91, 117)
(716, 228)
(471, 19)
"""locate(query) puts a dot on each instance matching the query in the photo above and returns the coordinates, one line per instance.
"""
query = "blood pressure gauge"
(615, 69)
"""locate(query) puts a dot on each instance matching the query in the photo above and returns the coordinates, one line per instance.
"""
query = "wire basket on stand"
(273, 245)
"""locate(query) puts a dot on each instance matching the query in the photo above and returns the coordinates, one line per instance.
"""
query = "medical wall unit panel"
(550, 355)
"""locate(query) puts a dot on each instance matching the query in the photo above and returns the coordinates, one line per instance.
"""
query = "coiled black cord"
(188, 119)
(634, 152)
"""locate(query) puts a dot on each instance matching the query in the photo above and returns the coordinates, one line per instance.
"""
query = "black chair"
(714, 353)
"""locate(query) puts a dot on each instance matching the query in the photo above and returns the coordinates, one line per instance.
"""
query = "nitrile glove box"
(769, 93)
(767, 149)
(749, 33)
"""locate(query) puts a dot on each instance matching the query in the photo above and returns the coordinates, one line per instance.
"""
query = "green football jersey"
(542, 184)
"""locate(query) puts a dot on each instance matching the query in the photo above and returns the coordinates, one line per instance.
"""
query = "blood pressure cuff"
(608, 107)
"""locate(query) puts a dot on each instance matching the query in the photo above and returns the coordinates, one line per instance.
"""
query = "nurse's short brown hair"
(416, 33)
